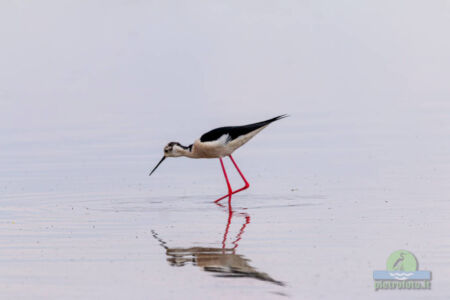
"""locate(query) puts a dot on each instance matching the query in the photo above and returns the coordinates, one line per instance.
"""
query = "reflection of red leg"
(230, 216)
(227, 227)
(230, 192)
(239, 236)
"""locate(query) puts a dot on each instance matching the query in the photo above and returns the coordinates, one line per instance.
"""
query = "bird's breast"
(213, 149)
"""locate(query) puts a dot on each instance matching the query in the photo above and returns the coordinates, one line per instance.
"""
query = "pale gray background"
(90, 91)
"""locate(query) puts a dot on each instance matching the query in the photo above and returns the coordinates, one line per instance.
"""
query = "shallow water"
(314, 227)
(359, 170)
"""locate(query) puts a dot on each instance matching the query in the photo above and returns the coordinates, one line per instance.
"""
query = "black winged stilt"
(218, 143)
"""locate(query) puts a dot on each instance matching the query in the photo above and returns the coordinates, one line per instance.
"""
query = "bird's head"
(172, 149)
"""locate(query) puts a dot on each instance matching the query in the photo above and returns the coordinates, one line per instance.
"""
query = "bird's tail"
(250, 127)
(275, 119)
(266, 122)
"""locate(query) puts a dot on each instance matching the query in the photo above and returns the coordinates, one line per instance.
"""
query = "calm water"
(81, 218)
(90, 92)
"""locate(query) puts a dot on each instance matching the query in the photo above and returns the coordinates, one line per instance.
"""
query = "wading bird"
(218, 143)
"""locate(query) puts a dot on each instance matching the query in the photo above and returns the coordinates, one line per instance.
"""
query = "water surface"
(90, 92)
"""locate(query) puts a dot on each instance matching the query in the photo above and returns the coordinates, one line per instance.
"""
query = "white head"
(172, 149)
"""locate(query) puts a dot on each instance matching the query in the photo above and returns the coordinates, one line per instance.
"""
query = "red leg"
(247, 185)
(226, 176)
(230, 192)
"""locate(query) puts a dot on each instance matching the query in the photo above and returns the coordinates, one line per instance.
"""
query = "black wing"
(236, 131)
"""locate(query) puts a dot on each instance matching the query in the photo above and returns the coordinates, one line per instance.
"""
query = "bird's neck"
(187, 151)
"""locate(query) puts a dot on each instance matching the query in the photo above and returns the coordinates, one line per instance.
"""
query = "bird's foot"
(230, 192)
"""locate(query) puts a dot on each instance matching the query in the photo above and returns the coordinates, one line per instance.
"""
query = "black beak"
(157, 165)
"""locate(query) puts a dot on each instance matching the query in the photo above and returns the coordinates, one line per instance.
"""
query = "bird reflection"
(224, 261)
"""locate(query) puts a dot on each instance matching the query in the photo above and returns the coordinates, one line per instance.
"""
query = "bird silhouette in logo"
(398, 265)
